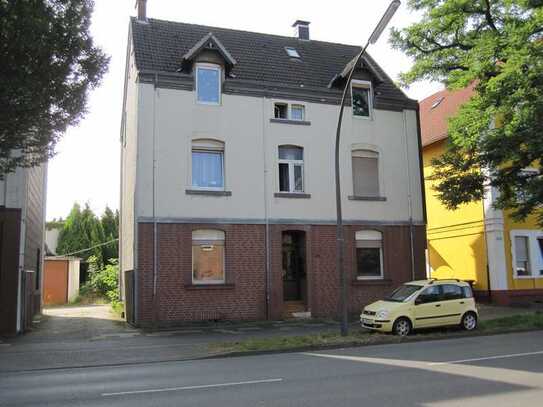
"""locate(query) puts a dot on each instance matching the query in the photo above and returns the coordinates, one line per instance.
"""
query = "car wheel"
(469, 321)
(402, 327)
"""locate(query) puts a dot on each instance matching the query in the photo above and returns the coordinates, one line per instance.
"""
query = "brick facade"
(243, 296)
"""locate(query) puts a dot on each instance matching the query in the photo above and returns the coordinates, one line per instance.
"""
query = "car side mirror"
(418, 301)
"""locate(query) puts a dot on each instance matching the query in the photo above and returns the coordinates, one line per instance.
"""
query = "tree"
(49, 64)
(496, 45)
(110, 226)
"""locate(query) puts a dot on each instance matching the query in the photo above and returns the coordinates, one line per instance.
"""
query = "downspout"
(266, 218)
(155, 229)
(409, 196)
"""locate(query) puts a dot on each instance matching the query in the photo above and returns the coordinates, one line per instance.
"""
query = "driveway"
(75, 323)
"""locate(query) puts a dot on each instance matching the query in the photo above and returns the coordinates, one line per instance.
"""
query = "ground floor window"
(369, 254)
(527, 253)
(208, 257)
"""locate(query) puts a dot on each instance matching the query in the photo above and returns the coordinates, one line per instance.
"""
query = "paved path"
(495, 371)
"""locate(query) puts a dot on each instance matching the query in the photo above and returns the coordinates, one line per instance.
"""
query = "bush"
(103, 282)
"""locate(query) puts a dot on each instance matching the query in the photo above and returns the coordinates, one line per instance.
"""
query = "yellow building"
(503, 258)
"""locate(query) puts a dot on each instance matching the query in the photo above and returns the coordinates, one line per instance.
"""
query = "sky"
(86, 167)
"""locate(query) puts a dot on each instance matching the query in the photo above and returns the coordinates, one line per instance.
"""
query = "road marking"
(204, 386)
(511, 355)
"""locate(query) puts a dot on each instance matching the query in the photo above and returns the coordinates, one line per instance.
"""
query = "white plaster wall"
(73, 279)
(51, 239)
(128, 168)
(243, 123)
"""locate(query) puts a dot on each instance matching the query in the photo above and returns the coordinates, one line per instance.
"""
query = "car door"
(428, 306)
(453, 303)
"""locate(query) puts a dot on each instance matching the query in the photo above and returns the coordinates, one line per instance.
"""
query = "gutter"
(266, 216)
(155, 224)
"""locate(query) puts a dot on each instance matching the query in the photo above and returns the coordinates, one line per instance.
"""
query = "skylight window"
(292, 52)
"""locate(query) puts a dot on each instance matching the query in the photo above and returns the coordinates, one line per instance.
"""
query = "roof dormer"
(209, 50)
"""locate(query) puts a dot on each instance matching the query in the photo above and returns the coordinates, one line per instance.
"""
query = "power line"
(87, 249)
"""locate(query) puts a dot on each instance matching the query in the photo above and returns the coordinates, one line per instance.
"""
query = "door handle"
(461, 302)
(438, 305)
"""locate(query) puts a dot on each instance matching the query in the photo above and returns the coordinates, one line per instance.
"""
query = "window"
(208, 257)
(466, 290)
(291, 169)
(522, 266)
(365, 173)
(208, 84)
(208, 164)
(430, 294)
(297, 112)
(369, 254)
(280, 111)
(291, 52)
(452, 292)
(361, 98)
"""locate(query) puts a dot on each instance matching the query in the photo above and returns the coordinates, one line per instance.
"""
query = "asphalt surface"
(501, 370)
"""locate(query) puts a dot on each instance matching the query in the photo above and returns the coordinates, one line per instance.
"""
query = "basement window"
(291, 52)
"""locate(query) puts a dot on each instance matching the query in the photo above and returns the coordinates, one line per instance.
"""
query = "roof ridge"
(248, 31)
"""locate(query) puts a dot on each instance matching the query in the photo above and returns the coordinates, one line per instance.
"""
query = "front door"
(293, 258)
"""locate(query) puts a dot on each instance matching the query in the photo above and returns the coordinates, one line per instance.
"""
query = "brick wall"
(177, 300)
(243, 297)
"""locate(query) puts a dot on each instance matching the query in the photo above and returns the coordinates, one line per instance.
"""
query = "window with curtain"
(291, 169)
(369, 254)
(208, 165)
(522, 256)
(208, 256)
(361, 98)
(208, 84)
(365, 173)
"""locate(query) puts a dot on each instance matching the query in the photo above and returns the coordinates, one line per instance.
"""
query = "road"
(498, 370)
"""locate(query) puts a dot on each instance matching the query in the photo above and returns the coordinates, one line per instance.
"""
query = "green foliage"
(103, 280)
(49, 65)
(83, 230)
(497, 46)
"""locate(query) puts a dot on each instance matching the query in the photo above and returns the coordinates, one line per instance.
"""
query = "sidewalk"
(103, 342)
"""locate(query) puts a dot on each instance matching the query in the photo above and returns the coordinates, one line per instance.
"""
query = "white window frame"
(292, 52)
(367, 152)
(370, 235)
(209, 67)
(356, 83)
(535, 257)
(298, 105)
(291, 165)
(210, 238)
(208, 146)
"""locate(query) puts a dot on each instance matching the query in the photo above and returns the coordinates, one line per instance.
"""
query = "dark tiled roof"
(160, 45)
(436, 110)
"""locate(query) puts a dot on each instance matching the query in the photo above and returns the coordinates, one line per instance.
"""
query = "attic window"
(438, 102)
(291, 52)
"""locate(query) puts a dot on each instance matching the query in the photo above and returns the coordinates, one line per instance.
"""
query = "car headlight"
(382, 314)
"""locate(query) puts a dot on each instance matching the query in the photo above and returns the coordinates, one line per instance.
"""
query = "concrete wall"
(173, 119)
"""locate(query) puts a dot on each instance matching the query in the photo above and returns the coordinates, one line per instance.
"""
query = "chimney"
(301, 29)
(141, 5)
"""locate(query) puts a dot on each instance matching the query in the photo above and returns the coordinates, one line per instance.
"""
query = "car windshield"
(403, 292)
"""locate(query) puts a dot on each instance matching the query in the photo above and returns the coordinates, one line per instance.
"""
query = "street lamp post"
(391, 10)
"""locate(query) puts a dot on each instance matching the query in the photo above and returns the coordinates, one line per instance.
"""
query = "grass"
(360, 338)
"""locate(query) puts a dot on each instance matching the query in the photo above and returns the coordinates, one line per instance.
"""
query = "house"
(476, 242)
(22, 219)
(228, 192)
(60, 279)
